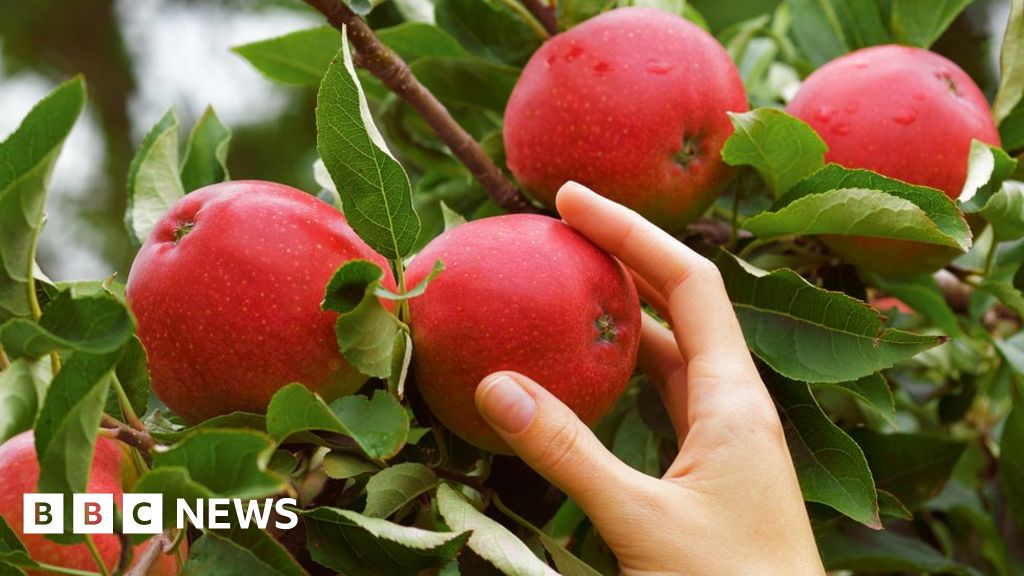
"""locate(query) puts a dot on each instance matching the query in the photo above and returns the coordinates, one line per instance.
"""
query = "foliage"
(906, 427)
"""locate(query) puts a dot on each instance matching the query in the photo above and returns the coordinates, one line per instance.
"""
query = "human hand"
(730, 502)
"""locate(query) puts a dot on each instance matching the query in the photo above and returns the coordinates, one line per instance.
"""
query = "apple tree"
(883, 307)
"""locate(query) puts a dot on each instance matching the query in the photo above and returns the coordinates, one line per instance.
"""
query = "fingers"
(650, 295)
(549, 437)
(701, 313)
(659, 358)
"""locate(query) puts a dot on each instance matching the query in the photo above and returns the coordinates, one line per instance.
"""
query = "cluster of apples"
(633, 103)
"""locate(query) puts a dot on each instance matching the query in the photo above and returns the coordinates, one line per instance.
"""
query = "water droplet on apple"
(905, 116)
(842, 129)
(659, 67)
(824, 114)
(602, 68)
(574, 53)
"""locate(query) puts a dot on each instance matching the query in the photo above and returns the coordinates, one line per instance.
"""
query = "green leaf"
(374, 189)
(251, 552)
(417, 290)
(922, 293)
(27, 157)
(861, 550)
(913, 467)
(173, 483)
(1006, 293)
(987, 168)
(827, 29)
(96, 324)
(450, 217)
(342, 466)
(1005, 211)
(467, 81)
(809, 334)
(298, 58)
(415, 40)
(636, 444)
(206, 156)
(873, 390)
(65, 432)
(230, 463)
(829, 464)
(154, 181)
(1011, 456)
(921, 22)
(356, 545)
(1011, 129)
(22, 389)
(379, 426)
(494, 29)
(567, 563)
(1011, 65)
(392, 488)
(490, 540)
(837, 200)
(11, 548)
(783, 149)
(132, 373)
(365, 329)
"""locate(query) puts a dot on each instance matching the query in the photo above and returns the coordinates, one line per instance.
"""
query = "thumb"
(549, 437)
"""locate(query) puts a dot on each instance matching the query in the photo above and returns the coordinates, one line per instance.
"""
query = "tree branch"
(159, 545)
(545, 14)
(135, 438)
(395, 74)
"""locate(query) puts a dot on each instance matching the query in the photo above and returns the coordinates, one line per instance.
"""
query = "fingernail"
(506, 405)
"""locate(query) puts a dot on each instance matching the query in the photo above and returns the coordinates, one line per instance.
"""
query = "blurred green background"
(140, 57)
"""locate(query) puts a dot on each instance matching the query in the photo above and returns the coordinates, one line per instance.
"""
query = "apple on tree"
(227, 290)
(112, 472)
(905, 113)
(633, 104)
(524, 293)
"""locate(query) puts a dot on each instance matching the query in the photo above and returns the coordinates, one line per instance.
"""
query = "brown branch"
(135, 438)
(395, 74)
(544, 13)
(158, 546)
(124, 560)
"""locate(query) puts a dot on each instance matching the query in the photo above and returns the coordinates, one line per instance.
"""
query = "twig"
(395, 74)
(135, 438)
(125, 559)
(159, 545)
(544, 14)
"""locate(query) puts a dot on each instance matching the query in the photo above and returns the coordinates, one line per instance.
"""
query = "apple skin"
(609, 104)
(111, 471)
(905, 113)
(230, 312)
(523, 293)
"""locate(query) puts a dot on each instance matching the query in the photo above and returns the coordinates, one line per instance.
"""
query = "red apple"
(227, 293)
(905, 113)
(111, 472)
(523, 293)
(631, 103)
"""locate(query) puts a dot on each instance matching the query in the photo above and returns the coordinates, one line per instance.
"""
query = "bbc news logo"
(144, 513)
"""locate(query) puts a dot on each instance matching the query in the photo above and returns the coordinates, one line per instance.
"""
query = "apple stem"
(95, 552)
(126, 406)
(125, 558)
(395, 74)
(122, 432)
(544, 14)
(159, 545)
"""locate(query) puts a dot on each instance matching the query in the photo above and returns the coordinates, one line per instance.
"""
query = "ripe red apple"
(111, 473)
(227, 292)
(523, 293)
(631, 103)
(905, 113)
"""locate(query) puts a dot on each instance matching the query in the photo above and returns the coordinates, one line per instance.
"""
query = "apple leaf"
(173, 483)
(1011, 65)
(873, 390)
(27, 157)
(858, 550)
(154, 181)
(252, 552)
(922, 293)
(1011, 455)
(379, 425)
(491, 28)
(827, 29)
(450, 217)
(12, 552)
(987, 168)
(415, 40)
(921, 22)
(1005, 292)
(22, 390)
(636, 444)
(782, 148)
(132, 372)
(836, 200)
(95, 323)
(297, 58)
(1005, 211)
(490, 540)
(206, 155)
(357, 545)
(809, 334)
(229, 463)
(567, 563)
(829, 464)
(392, 488)
(374, 188)
(467, 81)
(417, 290)
(913, 467)
(365, 329)
(341, 466)
(65, 431)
